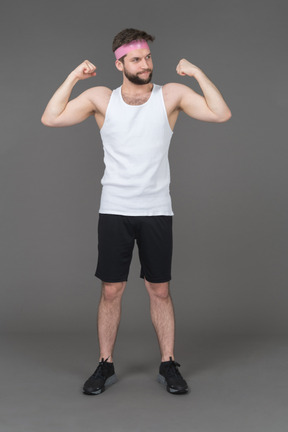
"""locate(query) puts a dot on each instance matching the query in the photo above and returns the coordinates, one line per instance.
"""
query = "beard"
(136, 79)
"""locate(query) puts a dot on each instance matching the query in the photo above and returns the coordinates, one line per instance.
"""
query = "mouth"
(145, 72)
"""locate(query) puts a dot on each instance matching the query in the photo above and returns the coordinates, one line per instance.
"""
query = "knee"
(112, 291)
(158, 290)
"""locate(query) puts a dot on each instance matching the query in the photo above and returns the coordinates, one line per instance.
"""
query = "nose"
(144, 64)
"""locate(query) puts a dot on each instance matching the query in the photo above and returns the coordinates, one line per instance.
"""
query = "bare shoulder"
(99, 96)
(172, 94)
(97, 93)
(100, 90)
(172, 87)
(175, 89)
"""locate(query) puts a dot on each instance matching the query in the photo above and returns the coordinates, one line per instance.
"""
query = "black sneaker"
(170, 376)
(103, 376)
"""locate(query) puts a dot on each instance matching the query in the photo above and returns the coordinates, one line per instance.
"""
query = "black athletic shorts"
(116, 239)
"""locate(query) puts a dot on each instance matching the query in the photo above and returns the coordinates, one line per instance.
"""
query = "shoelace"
(99, 370)
(172, 368)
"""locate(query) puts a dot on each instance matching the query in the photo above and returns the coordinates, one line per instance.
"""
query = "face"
(138, 66)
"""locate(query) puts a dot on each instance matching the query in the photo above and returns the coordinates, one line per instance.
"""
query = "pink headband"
(124, 49)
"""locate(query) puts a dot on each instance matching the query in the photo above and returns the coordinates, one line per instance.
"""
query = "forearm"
(59, 100)
(212, 95)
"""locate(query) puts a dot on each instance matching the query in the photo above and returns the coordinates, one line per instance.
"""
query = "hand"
(184, 67)
(85, 70)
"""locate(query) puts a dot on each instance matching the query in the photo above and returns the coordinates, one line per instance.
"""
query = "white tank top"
(136, 140)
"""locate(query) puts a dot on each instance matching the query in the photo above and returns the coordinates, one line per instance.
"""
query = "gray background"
(229, 188)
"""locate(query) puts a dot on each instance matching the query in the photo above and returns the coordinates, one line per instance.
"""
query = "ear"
(119, 65)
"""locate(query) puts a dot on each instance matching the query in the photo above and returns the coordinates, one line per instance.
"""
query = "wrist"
(198, 74)
(72, 78)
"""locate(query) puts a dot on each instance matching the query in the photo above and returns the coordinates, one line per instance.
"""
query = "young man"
(136, 122)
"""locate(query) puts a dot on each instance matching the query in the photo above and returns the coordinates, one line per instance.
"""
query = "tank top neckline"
(136, 106)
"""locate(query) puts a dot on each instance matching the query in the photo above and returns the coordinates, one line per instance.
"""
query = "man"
(136, 123)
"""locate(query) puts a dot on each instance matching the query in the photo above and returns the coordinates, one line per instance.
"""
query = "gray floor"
(237, 384)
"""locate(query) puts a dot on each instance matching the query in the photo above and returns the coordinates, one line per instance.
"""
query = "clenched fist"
(85, 70)
(184, 67)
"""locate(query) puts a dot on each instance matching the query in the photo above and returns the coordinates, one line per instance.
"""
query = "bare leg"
(162, 315)
(109, 312)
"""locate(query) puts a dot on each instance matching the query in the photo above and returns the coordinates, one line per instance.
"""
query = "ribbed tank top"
(136, 140)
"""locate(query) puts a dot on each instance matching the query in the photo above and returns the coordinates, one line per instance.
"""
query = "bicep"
(77, 110)
(195, 106)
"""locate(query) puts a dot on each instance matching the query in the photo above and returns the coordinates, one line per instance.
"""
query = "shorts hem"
(156, 280)
(111, 280)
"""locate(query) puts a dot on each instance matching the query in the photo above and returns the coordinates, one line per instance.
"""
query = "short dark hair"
(128, 35)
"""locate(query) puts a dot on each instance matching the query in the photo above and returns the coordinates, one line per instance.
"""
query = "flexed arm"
(212, 106)
(61, 112)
